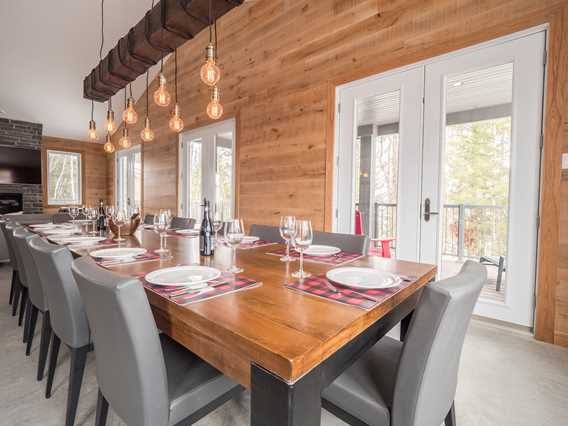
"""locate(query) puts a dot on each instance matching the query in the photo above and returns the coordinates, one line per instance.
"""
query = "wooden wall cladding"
(281, 62)
(95, 178)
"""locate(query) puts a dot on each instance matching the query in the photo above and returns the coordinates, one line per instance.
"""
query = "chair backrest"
(346, 242)
(61, 218)
(427, 373)
(182, 222)
(36, 293)
(7, 227)
(130, 363)
(67, 312)
(11, 228)
(149, 219)
(266, 232)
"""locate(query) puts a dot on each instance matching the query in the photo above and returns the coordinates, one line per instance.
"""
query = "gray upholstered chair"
(413, 383)
(67, 315)
(147, 378)
(182, 222)
(346, 242)
(61, 218)
(13, 264)
(37, 302)
(149, 219)
(266, 232)
(21, 289)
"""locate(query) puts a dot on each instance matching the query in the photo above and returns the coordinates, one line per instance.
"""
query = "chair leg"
(55, 343)
(78, 360)
(17, 293)
(451, 416)
(12, 287)
(27, 317)
(31, 327)
(102, 410)
(23, 301)
(44, 344)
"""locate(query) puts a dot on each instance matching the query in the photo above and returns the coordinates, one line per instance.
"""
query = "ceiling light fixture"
(215, 109)
(210, 73)
(162, 96)
(147, 134)
(129, 115)
(92, 125)
(108, 146)
(176, 122)
(124, 141)
(110, 126)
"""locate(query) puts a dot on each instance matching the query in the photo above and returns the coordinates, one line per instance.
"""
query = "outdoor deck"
(451, 266)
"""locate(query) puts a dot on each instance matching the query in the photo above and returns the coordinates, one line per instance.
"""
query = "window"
(63, 178)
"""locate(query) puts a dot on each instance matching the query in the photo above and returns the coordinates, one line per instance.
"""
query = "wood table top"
(284, 331)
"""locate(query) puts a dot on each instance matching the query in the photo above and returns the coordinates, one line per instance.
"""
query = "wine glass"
(287, 232)
(119, 220)
(73, 212)
(234, 233)
(302, 240)
(217, 221)
(92, 215)
(161, 225)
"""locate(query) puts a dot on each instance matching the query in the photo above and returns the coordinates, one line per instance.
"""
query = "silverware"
(186, 290)
(407, 278)
(335, 290)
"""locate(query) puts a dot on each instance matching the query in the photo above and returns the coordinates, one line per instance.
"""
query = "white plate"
(194, 276)
(364, 278)
(118, 253)
(249, 239)
(322, 251)
(43, 225)
(187, 231)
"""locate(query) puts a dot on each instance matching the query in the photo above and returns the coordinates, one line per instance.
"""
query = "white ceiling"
(47, 48)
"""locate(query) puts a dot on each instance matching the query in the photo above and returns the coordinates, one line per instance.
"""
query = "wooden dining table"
(285, 346)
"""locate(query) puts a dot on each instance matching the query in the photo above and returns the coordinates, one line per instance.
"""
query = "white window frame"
(129, 153)
(55, 202)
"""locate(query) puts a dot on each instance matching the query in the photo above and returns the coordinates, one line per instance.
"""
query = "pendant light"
(162, 96)
(108, 146)
(176, 122)
(124, 141)
(147, 133)
(92, 125)
(110, 125)
(129, 115)
(210, 73)
(215, 109)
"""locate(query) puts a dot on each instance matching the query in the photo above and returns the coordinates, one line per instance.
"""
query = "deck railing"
(469, 230)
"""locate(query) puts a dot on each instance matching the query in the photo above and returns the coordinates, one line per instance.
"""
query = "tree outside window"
(63, 178)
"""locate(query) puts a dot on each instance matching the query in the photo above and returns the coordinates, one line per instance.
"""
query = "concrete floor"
(506, 378)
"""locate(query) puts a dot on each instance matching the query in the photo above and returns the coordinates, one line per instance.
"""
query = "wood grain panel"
(94, 168)
(281, 62)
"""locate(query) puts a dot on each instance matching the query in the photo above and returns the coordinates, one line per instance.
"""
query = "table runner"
(337, 259)
(365, 299)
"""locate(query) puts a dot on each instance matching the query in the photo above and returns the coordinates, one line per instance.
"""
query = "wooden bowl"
(126, 229)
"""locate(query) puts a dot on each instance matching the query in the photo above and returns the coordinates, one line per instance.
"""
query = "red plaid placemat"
(364, 299)
(109, 263)
(337, 259)
(225, 284)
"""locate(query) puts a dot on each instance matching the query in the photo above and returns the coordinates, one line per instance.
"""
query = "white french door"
(129, 178)
(452, 173)
(207, 169)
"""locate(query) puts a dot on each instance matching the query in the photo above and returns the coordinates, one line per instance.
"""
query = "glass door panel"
(129, 178)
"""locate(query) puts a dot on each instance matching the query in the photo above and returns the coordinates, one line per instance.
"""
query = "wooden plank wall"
(281, 62)
(95, 179)
(561, 299)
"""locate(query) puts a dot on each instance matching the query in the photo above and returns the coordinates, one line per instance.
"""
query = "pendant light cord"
(130, 88)
(92, 109)
(102, 29)
(176, 73)
(210, 21)
(216, 47)
(147, 105)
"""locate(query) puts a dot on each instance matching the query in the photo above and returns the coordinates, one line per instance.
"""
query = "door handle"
(427, 212)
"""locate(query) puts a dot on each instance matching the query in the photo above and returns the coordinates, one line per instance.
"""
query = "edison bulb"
(92, 130)
(176, 123)
(215, 109)
(124, 141)
(108, 146)
(161, 96)
(147, 134)
(210, 73)
(129, 115)
(110, 126)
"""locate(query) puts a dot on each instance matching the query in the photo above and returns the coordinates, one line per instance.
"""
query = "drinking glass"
(161, 225)
(73, 212)
(302, 240)
(217, 221)
(234, 233)
(119, 220)
(92, 215)
(287, 232)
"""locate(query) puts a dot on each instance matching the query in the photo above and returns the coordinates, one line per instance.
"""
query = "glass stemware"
(234, 233)
(287, 232)
(161, 224)
(73, 212)
(302, 240)
(119, 220)
(217, 221)
(92, 215)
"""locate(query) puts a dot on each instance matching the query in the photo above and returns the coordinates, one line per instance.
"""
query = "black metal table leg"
(277, 403)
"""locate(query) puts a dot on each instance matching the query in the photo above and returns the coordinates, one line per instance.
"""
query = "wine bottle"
(206, 232)
(101, 220)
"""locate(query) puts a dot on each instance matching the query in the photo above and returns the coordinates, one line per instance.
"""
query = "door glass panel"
(137, 179)
(196, 179)
(122, 181)
(476, 169)
(376, 153)
(224, 175)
